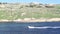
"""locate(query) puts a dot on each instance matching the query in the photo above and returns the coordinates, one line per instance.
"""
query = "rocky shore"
(33, 20)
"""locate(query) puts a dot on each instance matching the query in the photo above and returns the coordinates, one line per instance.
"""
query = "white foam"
(45, 27)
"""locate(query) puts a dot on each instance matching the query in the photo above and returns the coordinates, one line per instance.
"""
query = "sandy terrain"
(33, 20)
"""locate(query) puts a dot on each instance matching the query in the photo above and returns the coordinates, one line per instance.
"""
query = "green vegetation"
(20, 12)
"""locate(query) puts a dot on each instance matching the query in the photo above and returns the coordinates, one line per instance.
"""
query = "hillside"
(13, 11)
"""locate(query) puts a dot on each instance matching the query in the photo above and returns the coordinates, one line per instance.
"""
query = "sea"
(29, 27)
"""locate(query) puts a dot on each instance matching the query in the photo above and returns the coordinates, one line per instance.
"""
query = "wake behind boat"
(44, 27)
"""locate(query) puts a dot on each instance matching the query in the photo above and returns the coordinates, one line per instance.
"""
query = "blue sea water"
(23, 28)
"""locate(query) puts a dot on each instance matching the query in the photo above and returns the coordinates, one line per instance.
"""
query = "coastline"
(33, 20)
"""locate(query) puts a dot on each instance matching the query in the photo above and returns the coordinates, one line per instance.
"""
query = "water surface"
(22, 28)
